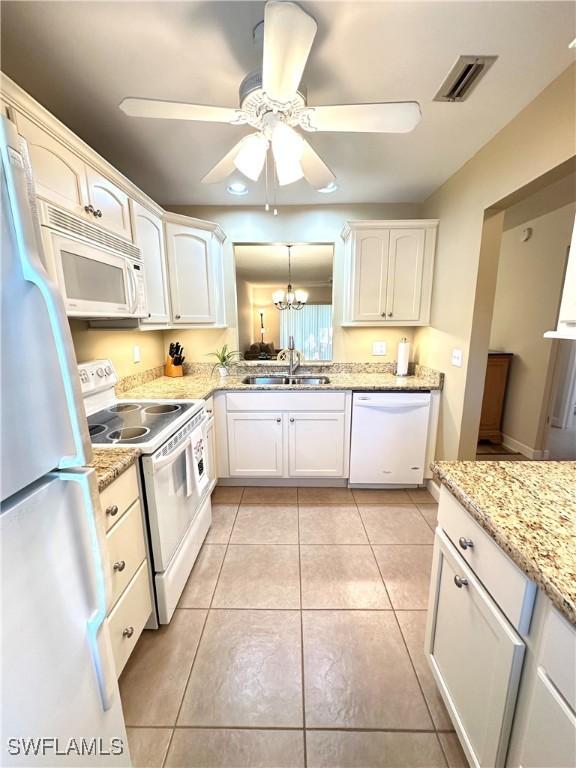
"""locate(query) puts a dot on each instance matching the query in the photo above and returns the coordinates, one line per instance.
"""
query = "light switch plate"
(457, 357)
(136, 353)
(379, 348)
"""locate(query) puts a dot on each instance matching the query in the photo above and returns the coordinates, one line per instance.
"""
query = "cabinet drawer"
(285, 401)
(550, 739)
(126, 549)
(507, 584)
(129, 616)
(475, 655)
(120, 495)
(558, 655)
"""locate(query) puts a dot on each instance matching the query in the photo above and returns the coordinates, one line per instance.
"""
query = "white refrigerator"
(60, 704)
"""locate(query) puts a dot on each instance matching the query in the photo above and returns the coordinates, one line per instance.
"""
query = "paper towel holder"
(403, 357)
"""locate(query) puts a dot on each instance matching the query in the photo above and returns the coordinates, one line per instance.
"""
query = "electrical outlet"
(136, 353)
(457, 357)
(379, 348)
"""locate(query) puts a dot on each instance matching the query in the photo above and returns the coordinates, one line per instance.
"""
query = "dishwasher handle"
(389, 404)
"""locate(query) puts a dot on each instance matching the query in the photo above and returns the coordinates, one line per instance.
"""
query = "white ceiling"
(81, 58)
(268, 264)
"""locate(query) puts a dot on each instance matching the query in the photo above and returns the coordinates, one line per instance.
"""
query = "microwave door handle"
(133, 290)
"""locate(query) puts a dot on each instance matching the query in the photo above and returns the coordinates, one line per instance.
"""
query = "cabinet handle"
(208, 410)
(389, 314)
(98, 213)
(112, 510)
(177, 317)
(460, 581)
(292, 419)
(120, 565)
(278, 420)
(128, 632)
(383, 314)
(465, 543)
(89, 208)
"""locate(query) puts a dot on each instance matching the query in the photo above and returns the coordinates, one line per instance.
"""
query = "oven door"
(94, 281)
(172, 498)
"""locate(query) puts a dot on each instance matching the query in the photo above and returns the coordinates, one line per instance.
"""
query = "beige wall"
(540, 138)
(319, 224)
(528, 290)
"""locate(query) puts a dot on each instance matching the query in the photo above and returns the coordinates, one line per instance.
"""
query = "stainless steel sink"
(311, 380)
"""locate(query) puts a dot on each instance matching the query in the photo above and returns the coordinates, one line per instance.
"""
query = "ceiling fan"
(274, 103)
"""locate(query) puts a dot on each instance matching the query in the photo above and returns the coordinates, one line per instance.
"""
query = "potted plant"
(224, 359)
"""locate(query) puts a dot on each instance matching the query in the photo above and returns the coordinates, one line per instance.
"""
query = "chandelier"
(289, 299)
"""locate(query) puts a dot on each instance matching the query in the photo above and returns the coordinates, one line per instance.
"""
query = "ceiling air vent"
(463, 77)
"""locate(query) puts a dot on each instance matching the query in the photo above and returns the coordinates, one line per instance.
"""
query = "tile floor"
(298, 640)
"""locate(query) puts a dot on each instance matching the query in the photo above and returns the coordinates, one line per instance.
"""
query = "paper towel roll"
(403, 357)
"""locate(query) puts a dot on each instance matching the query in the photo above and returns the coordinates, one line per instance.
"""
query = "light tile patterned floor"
(298, 640)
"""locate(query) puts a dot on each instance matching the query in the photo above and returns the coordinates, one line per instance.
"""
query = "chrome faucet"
(294, 359)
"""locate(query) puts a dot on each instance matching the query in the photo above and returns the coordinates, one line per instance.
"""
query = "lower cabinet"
(286, 435)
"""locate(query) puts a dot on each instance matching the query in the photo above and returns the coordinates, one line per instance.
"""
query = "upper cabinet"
(195, 263)
(108, 204)
(149, 237)
(388, 272)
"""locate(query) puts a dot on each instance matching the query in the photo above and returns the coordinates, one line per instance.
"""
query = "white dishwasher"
(389, 436)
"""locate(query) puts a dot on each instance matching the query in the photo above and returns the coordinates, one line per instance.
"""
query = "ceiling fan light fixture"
(287, 148)
(252, 156)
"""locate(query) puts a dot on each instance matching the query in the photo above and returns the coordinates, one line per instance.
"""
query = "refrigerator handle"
(20, 193)
(96, 625)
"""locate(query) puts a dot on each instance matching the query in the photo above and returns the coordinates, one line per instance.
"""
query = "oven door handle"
(163, 461)
(190, 477)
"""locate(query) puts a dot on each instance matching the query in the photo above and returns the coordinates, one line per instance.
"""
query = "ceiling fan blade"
(176, 110)
(225, 167)
(386, 117)
(316, 172)
(288, 36)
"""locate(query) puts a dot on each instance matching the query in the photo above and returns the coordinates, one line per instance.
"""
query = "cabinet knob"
(177, 317)
(389, 314)
(128, 632)
(278, 420)
(460, 581)
(98, 213)
(119, 565)
(89, 208)
(382, 314)
(112, 510)
(465, 543)
(292, 419)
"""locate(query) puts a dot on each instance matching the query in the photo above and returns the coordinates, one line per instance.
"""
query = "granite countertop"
(110, 463)
(194, 386)
(529, 509)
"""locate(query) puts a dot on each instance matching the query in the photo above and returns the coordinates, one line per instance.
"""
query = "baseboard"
(525, 450)
(434, 488)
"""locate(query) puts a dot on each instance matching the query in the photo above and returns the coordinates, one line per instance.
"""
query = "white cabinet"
(256, 444)
(388, 272)
(195, 263)
(109, 203)
(59, 174)
(475, 655)
(316, 444)
(149, 237)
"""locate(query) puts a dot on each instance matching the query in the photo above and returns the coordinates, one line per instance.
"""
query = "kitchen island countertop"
(529, 509)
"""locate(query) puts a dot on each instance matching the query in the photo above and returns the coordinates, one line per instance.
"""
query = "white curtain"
(311, 327)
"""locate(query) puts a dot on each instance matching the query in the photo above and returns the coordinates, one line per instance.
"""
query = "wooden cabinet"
(388, 272)
(110, 204)
(475, 655)
(195, 264)
(59, 174)
(316, 444)
(497, 373)
(256, 444)
(149, 237)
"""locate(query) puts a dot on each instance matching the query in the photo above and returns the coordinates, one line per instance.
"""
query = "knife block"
(172, 370)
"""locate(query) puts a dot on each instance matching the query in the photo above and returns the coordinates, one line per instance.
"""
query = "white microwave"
(98, 273)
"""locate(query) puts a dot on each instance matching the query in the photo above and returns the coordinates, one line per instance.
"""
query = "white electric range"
(171, 435)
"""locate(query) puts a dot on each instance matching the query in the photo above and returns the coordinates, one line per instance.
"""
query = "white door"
(405, 273)
(58, 675)
(110, 204)
(255, 444)
(191, 274)
(475, 655)
(149, 237)
(389, 436)
(370, 274)
(59, 174)
(316, 444)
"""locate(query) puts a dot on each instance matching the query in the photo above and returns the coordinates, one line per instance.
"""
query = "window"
(311, 327)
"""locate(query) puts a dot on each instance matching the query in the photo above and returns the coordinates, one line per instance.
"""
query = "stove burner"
(128, 433)
(96, 429)
(157, 409)
(124, 407)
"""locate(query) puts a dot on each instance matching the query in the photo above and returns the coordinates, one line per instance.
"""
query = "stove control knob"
(100, 372)
(108, 370)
